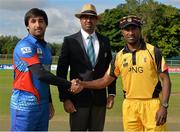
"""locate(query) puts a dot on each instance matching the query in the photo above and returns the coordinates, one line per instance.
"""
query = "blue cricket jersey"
(29, 92)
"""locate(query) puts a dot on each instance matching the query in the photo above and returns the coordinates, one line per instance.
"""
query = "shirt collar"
(36, 40)
(85, 34)
(142, 47)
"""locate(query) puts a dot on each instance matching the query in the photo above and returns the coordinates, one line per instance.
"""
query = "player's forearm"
(48, 77)
(95, 84)
(98, 84)
(166, 88)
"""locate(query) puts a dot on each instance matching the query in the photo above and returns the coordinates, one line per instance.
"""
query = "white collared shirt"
(95, 41)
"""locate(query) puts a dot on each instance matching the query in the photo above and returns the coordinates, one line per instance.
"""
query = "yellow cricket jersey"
(139, 71)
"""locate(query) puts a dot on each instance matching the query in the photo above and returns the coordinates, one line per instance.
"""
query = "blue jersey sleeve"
(26, 52)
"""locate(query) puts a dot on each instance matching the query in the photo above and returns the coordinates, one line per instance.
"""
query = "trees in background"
(55, 49)
(8, 43)
(161, 27)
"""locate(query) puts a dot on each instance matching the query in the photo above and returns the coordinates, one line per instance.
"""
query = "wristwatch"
(165, 105)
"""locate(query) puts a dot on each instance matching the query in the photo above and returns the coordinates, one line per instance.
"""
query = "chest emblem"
(125, 63)
(145, 59)
(39, 51)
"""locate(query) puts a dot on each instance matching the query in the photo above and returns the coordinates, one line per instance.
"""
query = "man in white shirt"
(88, 55)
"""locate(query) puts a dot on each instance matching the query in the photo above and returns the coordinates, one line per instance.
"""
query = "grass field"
(60, 120)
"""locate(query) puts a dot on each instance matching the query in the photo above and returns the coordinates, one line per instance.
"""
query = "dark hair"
(34, 12)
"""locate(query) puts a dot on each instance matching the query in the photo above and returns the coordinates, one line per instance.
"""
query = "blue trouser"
(33, 120)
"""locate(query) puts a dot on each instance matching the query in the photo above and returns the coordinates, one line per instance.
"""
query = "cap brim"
(130, 23)
(81, 14)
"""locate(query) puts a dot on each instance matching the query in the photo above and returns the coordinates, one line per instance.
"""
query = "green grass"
(60, 120)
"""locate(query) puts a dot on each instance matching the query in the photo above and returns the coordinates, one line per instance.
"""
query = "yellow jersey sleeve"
(164, 66)
(160, 61)
(114, 67)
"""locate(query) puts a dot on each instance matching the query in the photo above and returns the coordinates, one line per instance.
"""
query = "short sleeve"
(113, 69)
(160, 61)
(27, 52)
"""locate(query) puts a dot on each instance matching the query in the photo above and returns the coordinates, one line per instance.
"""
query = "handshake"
(76, 86)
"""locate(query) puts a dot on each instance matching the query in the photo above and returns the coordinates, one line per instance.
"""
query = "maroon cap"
(130, 20)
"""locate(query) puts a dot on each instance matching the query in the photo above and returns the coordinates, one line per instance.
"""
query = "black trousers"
(88, 119)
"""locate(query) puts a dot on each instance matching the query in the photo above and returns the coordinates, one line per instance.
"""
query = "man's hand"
(76, 87)
(51, 111)
(161, 116)
(110, 101)
(69, 106)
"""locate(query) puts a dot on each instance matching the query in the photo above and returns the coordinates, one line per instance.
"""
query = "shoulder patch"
(26, 50)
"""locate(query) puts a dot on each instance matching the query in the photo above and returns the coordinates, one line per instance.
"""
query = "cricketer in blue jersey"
(31, 104)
